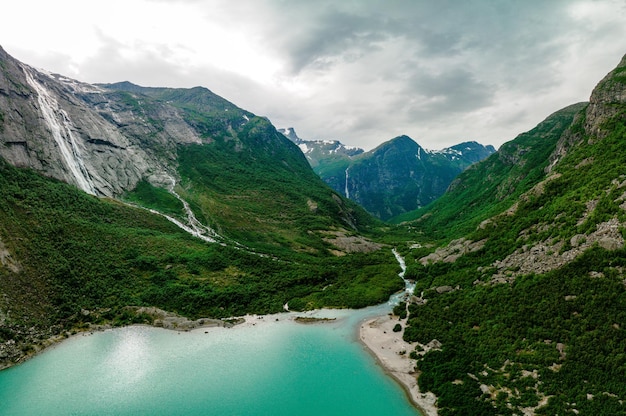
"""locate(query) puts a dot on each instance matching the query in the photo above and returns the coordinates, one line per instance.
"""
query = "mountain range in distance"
(117, 197)
(397, 177)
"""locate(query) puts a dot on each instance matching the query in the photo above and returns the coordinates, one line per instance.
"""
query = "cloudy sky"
(361, 71)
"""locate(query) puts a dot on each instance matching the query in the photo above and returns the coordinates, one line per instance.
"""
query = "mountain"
(324, 156)
(118, 201)
(396, 177)
(117, 196)
(109, 139)
(400, 176)
(497, 182)
(321, 152)
(520, 267)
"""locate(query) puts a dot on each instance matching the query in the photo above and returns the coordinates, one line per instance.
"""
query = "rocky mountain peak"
(605, 100)
(403, 141)
(290, 133)
(90, 136)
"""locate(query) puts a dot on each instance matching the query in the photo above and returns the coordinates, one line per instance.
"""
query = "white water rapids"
(409, 287)
(60, 126)
(195, 227)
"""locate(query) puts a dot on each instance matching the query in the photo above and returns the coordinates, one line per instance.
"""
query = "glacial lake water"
(273, 368)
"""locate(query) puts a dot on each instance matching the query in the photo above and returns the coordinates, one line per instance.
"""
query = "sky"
(359, 71)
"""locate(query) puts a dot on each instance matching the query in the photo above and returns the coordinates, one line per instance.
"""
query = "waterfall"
(60, 126)
(409, 287)
(346, 190)
(184, 227)
(195, 227)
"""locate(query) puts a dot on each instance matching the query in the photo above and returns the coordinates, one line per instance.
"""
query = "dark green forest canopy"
(75, 252)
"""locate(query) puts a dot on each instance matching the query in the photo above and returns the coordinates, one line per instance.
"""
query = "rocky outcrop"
(549, 255)
(99, 135)
(346, 243)
(454, 250)
(7, 260)
(606, 102)
(170, 320)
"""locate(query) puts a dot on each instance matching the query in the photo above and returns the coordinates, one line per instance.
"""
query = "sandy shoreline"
(164, 320)
(376, 334)
(388, 346)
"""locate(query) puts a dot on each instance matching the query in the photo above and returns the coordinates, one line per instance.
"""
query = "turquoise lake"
(273, 368)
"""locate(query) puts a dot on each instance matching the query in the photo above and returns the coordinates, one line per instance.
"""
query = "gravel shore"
(392, 352)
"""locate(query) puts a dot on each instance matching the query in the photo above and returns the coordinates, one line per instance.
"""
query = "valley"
(395, 178)
(116, 198)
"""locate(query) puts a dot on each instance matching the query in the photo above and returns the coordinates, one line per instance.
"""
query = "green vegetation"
(267, 208)
(558, 335)
(246, 180)
(84, 259)
(511, 335)
(149, 196)
(489, 188)
(553, 341)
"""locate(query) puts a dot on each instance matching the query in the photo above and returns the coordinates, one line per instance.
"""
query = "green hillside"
(250, 182)
(493, 185)
(529, 305)
(70, 260)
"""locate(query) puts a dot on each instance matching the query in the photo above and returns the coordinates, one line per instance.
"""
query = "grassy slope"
(493, 185)
(76, 252)
(503, 334)
(250, 182)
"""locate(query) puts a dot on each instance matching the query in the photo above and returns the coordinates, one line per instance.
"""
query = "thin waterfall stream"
(60, 126)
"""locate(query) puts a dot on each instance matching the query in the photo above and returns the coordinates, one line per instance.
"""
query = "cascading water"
(347, 192)
(409, 287)
(195, 227)
(60, 126)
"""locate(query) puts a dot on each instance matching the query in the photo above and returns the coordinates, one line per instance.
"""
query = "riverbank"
(392, 353)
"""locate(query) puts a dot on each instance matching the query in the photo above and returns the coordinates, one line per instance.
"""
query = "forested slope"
(529, 305)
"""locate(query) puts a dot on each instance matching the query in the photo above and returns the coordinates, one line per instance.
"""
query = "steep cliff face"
(604, 110)
(607, 101)
(98, 135)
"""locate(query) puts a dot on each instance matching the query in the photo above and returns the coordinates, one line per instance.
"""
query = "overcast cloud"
(361, 71)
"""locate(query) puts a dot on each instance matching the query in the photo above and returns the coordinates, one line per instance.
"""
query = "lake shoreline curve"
(375, 334)
(392, 354)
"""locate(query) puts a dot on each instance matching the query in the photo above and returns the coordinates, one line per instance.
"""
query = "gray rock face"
(84, 134)
(606, 100)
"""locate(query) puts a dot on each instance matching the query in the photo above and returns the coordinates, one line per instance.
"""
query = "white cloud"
(362, 72)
